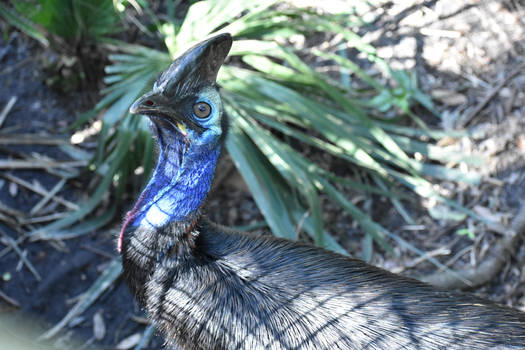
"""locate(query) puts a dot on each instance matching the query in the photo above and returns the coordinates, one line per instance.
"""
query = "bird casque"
(208, 287)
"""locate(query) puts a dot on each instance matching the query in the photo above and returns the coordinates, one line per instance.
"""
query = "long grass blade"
(103, 282)
(23, 24)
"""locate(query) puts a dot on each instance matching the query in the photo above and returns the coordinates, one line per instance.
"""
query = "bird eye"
(201, 110)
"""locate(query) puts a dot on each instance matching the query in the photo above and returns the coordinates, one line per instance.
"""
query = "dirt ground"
(468, 55)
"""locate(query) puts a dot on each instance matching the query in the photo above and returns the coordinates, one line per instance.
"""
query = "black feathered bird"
(208, 287)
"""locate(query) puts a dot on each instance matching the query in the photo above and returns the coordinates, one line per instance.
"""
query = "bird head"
(184, 106)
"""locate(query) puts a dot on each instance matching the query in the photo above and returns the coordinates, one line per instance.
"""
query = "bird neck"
(177, 188)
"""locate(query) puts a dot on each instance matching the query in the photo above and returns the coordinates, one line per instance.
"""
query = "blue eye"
(201, 110)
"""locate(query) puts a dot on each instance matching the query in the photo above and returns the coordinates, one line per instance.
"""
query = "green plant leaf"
(22, 23)
(269, 192)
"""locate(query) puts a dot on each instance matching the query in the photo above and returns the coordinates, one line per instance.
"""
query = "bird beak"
(144, 104)
(199, 64)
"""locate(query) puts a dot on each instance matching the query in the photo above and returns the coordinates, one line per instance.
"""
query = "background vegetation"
(273, 95)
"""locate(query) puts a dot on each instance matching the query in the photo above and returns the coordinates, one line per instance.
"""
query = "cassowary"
(208, 287)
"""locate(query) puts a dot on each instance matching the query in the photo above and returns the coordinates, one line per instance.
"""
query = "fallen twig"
(423, 258)
(12, 223)
(490, 96)
(8, 248)
(30, 139)
(45, 218)
(39, 164)
(39, 190)
(7, 109)
(491, 265)
(14, 215)
(48, 197)
(59, 172)
(24, 259)
(9, 299)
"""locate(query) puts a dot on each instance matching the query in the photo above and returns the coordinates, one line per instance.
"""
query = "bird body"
(208, 287)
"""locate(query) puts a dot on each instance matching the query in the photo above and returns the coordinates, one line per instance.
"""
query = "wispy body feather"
(238, 291)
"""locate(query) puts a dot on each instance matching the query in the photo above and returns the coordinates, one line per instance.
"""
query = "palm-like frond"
(280, 92)
(73, 20)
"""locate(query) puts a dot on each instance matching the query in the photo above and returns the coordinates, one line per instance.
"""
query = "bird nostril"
(148, 103)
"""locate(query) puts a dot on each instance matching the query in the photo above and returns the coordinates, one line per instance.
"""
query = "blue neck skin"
(178, 186)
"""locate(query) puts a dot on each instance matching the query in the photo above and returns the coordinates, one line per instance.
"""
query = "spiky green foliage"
(280, 92)
(71, 20)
